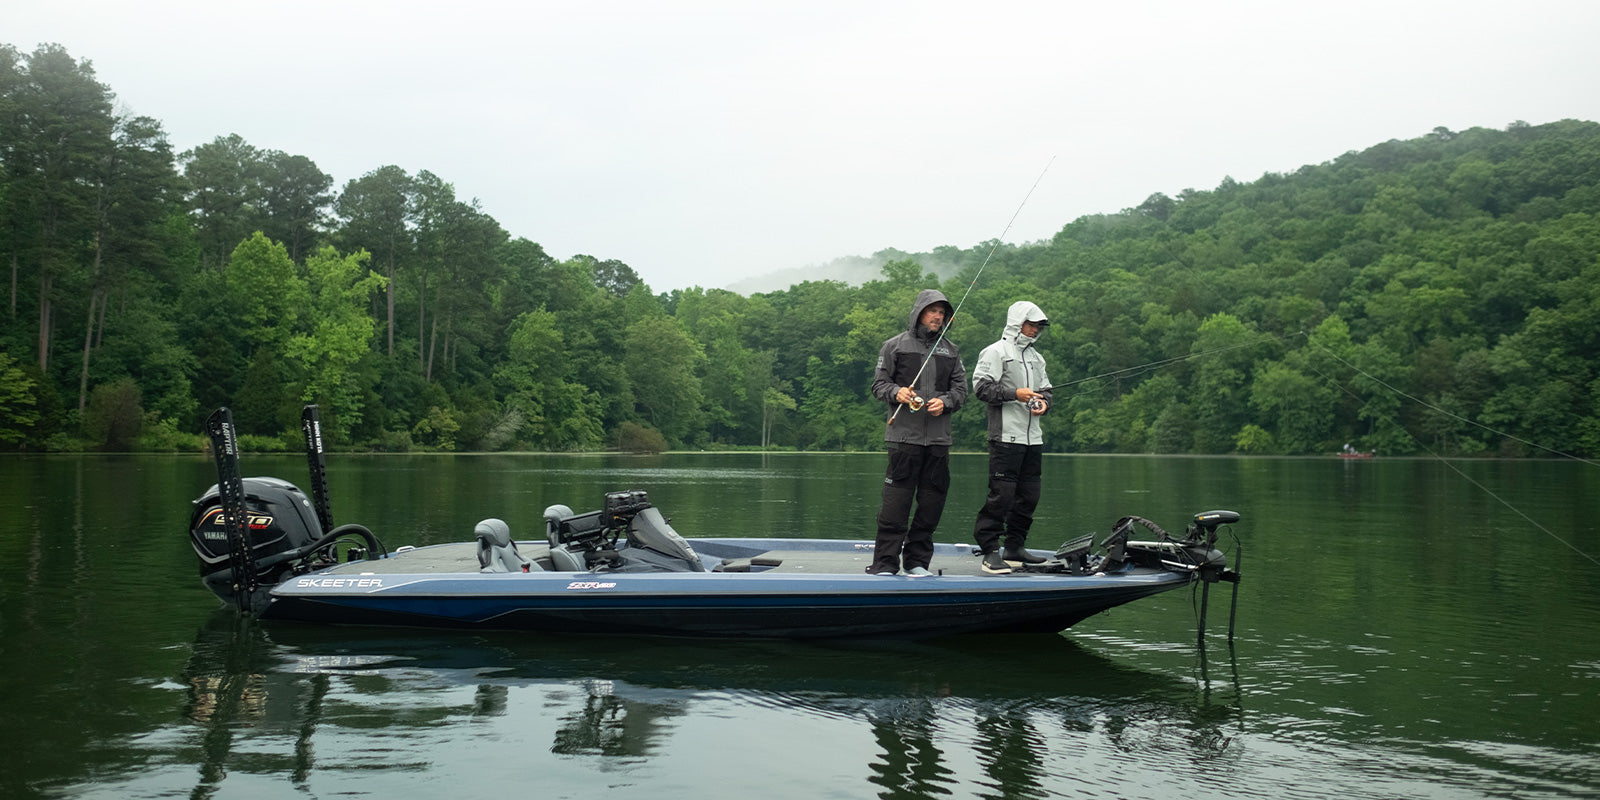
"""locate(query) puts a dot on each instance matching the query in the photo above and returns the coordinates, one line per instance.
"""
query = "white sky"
(704, 141)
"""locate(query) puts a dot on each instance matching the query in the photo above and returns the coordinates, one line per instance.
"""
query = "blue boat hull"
(767, 604)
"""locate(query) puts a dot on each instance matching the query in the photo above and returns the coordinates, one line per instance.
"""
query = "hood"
(1020, 312)
(925, 298)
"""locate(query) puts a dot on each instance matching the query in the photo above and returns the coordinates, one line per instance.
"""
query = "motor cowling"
(281, 523)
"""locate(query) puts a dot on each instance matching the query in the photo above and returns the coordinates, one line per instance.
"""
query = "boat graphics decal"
(592, 585)
(339, 583)
(214, 524)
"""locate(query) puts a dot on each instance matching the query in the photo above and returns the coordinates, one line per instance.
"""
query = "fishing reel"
(916, 403)
(1035, 404)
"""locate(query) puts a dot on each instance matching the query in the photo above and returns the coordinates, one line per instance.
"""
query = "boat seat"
(563, 559)
(497, 552)
(564, 527)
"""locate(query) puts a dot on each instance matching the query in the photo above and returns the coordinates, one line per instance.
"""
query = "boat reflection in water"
(313, 706)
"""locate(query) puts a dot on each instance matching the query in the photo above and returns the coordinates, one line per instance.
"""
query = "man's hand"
(1034, 400)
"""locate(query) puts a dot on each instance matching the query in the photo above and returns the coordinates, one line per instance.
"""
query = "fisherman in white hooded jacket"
(1010, 378)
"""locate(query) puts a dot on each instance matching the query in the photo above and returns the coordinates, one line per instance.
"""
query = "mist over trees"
(1439, 294)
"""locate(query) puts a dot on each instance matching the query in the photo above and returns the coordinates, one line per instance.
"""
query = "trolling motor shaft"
(1204, 529)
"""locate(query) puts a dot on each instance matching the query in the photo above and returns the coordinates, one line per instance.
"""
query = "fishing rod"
(916, 401)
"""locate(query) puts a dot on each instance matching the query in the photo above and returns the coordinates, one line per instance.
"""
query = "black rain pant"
(1014, 488)
(917, 474)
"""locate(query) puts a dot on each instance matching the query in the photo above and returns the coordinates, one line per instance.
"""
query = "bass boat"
(272, 551)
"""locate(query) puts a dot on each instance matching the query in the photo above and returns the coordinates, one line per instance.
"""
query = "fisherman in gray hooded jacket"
(920, 377)
(1010, 378)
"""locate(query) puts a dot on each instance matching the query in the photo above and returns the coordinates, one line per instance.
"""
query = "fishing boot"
(1016, 556)
(994, 564)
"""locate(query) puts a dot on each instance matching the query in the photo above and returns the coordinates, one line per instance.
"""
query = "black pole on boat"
(1233, 610)
(1205, 597)
(230, 488)
(311, 427)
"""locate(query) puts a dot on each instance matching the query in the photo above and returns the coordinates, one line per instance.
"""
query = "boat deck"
(949, 559)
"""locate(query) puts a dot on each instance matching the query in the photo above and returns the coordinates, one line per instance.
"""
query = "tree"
(733, 376)
(264, 299)
(114, 417)
(661, 364)
(135, 185)
(1253, 439)
(13, 77)
(265, 291)
(1295, 403)
(224, 177)
(773, 404)
(457, 247)
(340, 333)
(58, 128)
(559, 414)
(612, 276)
(377, 210)
(1221, 382)
(295, 198)
(18, 410)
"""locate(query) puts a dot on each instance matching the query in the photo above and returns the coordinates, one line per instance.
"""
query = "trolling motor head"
(1203, 528)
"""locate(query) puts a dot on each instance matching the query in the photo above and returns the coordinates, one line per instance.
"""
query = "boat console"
(627, 534)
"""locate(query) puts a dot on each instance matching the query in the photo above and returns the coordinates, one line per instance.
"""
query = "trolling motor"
(1204, 528)
(1195, 553)
(251, 533)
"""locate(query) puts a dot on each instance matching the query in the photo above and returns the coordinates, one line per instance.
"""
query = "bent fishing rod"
(916, 402)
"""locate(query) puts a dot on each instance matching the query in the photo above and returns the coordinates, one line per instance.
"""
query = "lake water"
(1406, 629)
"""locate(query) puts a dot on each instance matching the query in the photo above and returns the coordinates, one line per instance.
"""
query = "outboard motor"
(250, 533)
(281, 522)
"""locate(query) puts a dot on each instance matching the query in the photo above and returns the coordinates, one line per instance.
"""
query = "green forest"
(1433, 295)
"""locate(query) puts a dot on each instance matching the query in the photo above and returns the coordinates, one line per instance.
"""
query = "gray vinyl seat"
(558, 522)
(497, 552)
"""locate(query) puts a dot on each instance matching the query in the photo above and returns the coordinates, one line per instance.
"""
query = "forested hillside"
(1440, 294)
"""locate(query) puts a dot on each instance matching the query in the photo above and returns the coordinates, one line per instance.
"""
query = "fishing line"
(1439, 410)
(957, 310)
(1441, 459)
(1152, 365)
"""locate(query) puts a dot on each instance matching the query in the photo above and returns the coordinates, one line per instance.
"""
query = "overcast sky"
(704, 141)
